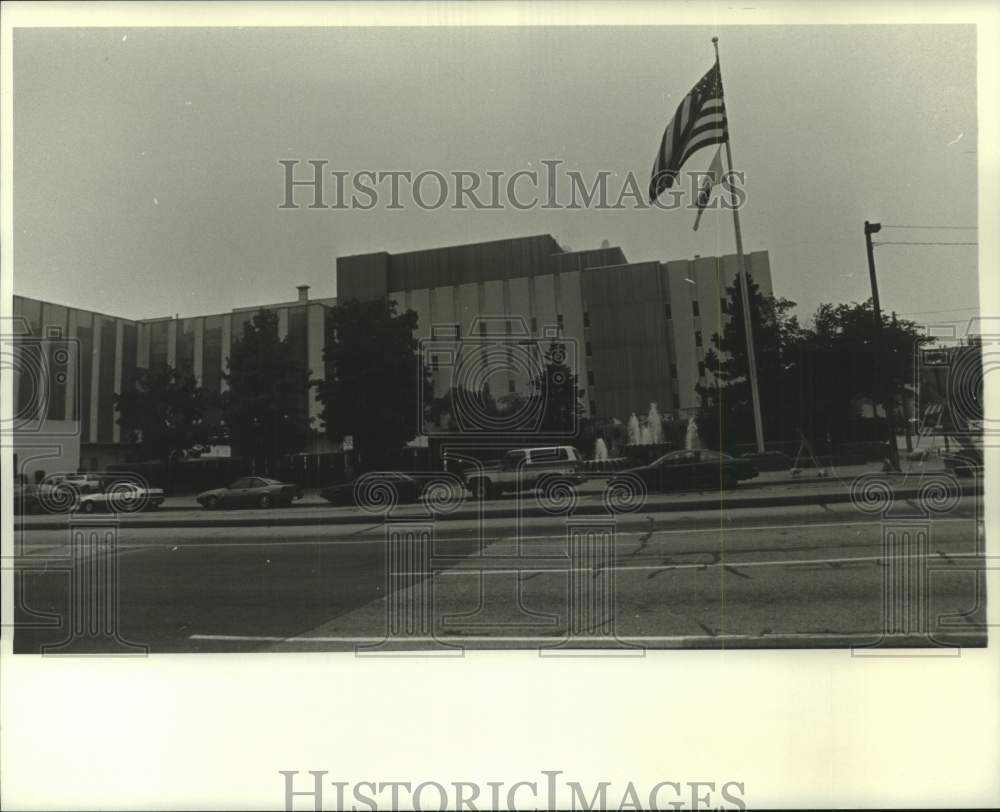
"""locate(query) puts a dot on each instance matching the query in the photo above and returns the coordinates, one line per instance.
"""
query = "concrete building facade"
(89, 357)
(637, 332)
(640, 330)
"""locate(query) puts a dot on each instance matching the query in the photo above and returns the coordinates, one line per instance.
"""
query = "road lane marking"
(274, 542)
(646, 567)
(655, 638)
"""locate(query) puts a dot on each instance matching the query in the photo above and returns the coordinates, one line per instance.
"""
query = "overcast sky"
(147, 181)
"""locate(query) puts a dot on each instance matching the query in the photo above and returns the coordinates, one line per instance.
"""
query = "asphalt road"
(808, 576)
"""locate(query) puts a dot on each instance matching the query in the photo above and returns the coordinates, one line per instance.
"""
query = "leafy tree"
(725, 416)
(809, 378)
(266, 407)
(164, 414)
(557, 386)
(839, 365)
(373, 373)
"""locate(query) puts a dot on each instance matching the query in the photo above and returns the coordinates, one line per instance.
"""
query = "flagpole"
(744, 288)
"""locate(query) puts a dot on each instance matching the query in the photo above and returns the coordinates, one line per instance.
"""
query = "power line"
(945, 310)
(903, 242)
(955, 228)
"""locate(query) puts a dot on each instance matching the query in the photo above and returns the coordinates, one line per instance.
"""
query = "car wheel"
(265, 501)
(212, 502)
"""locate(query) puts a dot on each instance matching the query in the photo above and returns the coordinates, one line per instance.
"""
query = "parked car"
(523, 469)
(126, 497)
(251, 491)
(79, 483)
(695, 469)
(406, 487)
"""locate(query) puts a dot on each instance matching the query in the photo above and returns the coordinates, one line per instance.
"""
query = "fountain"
(691, 439)
(655, 425)
(600, 450)
(633, 430)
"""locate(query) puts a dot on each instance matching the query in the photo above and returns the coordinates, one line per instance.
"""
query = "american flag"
(700, 121)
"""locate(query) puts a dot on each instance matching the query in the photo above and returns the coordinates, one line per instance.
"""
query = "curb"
(723, 503)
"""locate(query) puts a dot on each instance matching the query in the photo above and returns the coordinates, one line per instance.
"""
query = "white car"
(123, 497)
(523, 469)
(80, 483)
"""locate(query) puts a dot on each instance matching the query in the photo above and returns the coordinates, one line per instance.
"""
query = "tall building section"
(641, 329)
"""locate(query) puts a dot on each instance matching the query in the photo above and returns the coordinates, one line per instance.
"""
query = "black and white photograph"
(365, 341)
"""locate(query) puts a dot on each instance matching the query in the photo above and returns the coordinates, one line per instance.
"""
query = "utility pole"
(881, 388)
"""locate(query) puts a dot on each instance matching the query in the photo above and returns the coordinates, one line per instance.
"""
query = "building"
(640, 330)
(637, 332)
(91, 356)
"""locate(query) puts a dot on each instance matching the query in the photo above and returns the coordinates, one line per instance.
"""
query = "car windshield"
(673, 456)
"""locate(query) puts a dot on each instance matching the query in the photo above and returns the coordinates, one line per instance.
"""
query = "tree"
(373, 385)
(163, 414)
(839, 367)
(725, 415)
(557, 387)
(266, 407)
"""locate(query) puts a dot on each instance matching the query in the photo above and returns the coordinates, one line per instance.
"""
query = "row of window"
(695, 311)
(696, 308)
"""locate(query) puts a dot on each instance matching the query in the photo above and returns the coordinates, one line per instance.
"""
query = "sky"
(147, 182)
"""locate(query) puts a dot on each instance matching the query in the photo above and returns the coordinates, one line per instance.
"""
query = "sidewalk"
(770, 489)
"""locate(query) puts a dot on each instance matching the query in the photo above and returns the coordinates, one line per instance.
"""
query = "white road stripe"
(644, 567)
(721, 530)
(466, 638)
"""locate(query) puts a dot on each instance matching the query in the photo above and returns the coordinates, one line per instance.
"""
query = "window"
(701, 369)
(589, 352)
(540, 456)
(559, 320)
(511, 387)
(666, 311)
(724, 305)
(593, 408)
(506, 326)
(697, 338)
(673, 371)
(590, 378)
(695, 311)
(586, 319)
(534, 324)
(677, 401)
(482, 327)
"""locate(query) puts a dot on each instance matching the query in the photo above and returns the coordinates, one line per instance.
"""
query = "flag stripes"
(700, 121)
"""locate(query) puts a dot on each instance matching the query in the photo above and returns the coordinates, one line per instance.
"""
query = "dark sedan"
(696, 469)
(251, 491)
(373, 488)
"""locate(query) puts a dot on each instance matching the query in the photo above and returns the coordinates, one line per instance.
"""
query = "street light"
(885, 391)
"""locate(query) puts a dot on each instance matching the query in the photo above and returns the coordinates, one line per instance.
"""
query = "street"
(795, 576)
